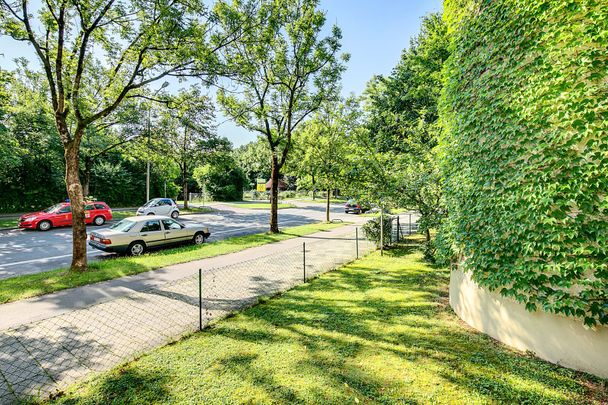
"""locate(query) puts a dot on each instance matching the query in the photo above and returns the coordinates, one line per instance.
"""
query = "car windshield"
(151, 203)
(123, 226)
(53, 208)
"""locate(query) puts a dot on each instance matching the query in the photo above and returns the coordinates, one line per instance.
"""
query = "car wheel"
(99, 221)
(198, 239)
(174, 214)
(150, 213)
(136, 249)
(44, 225)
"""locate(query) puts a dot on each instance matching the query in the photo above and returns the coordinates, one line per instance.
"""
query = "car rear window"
(171, 224)
(151, 226)
(100, 207)
(123, 226)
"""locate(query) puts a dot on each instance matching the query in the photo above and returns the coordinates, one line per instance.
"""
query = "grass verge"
(21, 287)
(320, 200)
(8, 222)
(259, 205)
(378, 330)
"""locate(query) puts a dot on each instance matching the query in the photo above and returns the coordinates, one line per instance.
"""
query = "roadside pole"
(381, 231)
(304, 260)
(200, 299)
(410, 227)
(357, 241)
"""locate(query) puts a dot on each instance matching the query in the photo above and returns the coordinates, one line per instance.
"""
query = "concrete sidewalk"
(49, 342)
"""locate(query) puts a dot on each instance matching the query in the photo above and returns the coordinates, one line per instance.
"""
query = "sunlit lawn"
(379, 330)
(8, 222)
(252, 205)
(321, 200)
(21, 287)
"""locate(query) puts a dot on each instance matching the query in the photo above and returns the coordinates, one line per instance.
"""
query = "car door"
(167, 206)
(152, 233)
(63, 217)
(175, 232)
(89, 213)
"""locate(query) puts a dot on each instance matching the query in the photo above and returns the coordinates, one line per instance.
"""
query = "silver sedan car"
(135, 235)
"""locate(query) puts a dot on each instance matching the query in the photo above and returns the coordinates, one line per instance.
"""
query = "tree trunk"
(274, 196)
(185, 187)
(327, 205)
(427, 233)
(86, 184)
(74, 189)
(314, 189)
(185, 193)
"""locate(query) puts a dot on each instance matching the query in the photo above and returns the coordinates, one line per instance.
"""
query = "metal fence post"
(357, 241)
(381, 231)
(410, 228)
(398, 229)
(200, 299)
(304, 260)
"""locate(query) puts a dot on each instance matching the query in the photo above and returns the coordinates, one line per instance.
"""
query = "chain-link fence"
(403, 226)
(41, 358)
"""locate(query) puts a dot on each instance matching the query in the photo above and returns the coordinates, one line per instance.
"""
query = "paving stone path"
(41, 358)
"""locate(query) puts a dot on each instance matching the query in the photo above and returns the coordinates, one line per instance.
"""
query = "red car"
(96, 212)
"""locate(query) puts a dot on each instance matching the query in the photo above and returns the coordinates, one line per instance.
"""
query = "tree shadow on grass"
(128, 385)
(381, 308)
(467, 359)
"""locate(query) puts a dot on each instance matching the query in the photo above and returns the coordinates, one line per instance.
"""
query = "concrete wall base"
(555, 338)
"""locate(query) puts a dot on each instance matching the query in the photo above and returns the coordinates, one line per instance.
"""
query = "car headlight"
(29, 219)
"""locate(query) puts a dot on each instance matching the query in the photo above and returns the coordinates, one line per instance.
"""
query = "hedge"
(525, 151)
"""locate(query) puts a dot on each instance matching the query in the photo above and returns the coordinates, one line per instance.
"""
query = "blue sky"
(374, 33)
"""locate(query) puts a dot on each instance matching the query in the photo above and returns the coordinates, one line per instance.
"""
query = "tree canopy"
(283, 70)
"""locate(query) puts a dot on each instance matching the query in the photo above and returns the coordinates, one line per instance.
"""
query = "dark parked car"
(355, 207)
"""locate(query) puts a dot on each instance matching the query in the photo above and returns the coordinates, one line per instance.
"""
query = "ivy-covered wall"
(525, 153)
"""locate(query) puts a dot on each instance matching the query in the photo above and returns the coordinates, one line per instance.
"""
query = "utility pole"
(165, 84)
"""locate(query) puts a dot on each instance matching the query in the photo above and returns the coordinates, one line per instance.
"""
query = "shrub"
(287, 194)
(371, 229)
(223, 179)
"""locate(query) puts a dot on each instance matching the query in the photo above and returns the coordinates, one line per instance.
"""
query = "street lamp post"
(165, 84)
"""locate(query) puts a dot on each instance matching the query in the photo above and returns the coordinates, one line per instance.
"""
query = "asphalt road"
(28, 252)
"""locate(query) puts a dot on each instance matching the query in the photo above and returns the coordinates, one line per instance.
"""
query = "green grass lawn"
(320, 200)
(378, 330)
(252, 205)
(196, 210)
(17, 288)
(8, 222)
